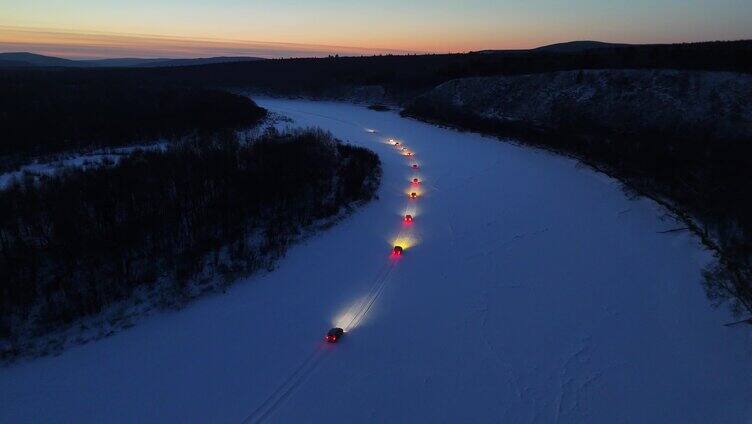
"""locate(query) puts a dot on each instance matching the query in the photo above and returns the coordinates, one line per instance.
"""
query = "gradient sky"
(190, 28)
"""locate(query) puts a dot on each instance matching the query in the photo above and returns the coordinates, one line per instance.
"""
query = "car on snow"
(408, 218)
(416, 181)
(397, 251)
(415, 166)
(413, 195)
(334, 334)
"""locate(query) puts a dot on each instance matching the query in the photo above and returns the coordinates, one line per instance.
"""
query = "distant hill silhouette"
(31, 60)
(26, 60)
(568, 47)
(577, 46)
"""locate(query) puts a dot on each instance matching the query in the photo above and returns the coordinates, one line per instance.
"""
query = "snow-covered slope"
(532, 291)
(675, 104)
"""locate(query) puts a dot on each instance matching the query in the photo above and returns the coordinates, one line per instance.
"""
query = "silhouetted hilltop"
(577, 46)
(568, 47)
(30, 60)
(18, 59)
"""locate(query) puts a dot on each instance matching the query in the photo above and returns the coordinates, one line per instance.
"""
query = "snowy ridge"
(668, 102)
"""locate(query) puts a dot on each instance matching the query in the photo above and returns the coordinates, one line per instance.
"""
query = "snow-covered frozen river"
(532, 290)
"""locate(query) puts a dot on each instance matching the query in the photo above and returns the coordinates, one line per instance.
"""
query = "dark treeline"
(72, 244)
(403, 77)
(707, 180)
(48, 113)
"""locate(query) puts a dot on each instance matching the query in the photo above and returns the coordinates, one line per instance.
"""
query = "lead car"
(334, 335)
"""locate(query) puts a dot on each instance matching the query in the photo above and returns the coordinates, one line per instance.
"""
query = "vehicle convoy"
(334, 335)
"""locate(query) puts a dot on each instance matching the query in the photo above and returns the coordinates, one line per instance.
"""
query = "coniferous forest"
(74, 243)
(51, 115)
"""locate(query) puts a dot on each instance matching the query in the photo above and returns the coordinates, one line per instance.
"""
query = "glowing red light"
(333, 335)
(415, 181)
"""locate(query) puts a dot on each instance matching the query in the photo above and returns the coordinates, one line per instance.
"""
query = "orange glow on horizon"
(95, 45)
(76, 44)
(106, 28)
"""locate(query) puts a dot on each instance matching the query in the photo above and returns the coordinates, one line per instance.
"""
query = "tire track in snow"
(309, 365)
(285, 389)
(288, 386)
(358, 309)
(357, 319)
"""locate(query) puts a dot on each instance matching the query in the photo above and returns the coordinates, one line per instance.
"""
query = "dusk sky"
(192, 28)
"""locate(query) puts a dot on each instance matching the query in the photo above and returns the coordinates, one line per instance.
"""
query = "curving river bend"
(531, 290)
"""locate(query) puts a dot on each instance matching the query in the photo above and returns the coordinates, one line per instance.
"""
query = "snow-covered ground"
(83, 160)
(532, 290)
